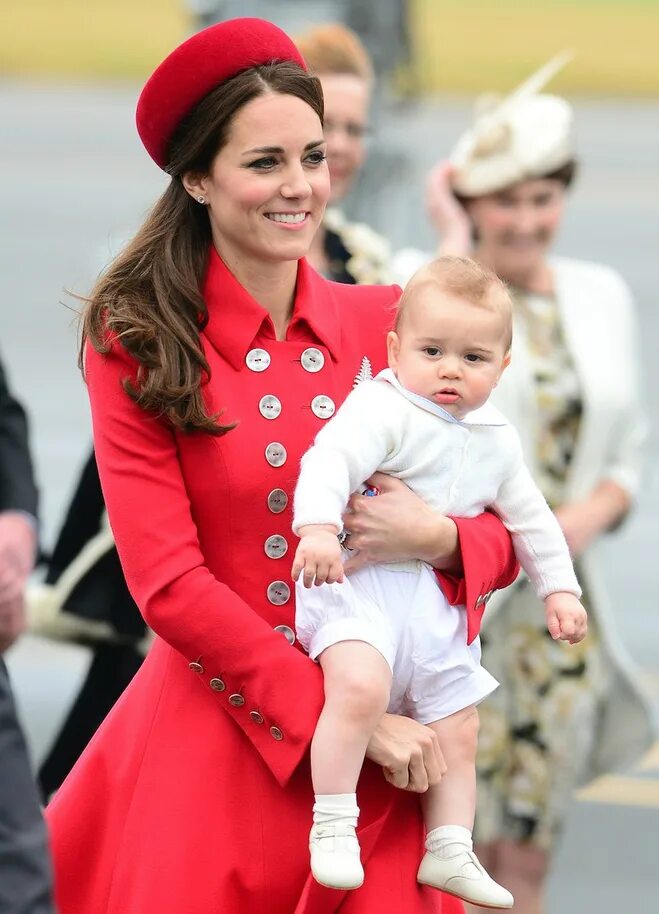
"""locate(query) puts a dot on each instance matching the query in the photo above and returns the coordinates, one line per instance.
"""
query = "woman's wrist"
(442, 545)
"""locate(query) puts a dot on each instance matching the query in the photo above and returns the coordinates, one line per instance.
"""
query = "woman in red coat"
(213, 355)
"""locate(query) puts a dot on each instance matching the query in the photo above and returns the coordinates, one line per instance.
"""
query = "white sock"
(448, 840)
(335, 808)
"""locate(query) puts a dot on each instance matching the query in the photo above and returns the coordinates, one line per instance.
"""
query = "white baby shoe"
(461, 874)
(335, 860)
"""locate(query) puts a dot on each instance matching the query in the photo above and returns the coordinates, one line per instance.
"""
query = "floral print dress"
(538, 726)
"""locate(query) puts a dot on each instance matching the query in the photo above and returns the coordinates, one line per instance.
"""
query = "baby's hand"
(318, 556)
(566, 617)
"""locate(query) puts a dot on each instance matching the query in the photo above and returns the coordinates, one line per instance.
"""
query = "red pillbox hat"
(196, 67)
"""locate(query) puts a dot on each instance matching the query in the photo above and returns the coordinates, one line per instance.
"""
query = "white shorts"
(407, 618)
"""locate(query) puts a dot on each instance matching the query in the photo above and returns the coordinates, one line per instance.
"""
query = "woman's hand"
(446, 213)
(408, 752)
(397, 525)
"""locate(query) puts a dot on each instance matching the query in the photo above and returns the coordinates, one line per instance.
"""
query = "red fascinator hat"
(196, 67)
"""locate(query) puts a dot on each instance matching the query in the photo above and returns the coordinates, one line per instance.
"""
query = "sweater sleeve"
(346, 451)
(538, 540)
(179, 597)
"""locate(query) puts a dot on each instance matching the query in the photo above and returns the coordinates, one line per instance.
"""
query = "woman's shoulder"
(586, 274)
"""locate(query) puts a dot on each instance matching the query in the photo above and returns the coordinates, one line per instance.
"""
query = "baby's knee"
(464, 735)
(361, 693)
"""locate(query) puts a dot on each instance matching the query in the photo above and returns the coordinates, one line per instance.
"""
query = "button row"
(312, 360)
(322, 407)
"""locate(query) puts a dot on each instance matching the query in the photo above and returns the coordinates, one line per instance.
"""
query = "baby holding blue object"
(386, 636)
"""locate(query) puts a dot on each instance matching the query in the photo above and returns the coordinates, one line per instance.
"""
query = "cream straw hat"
(525, 135)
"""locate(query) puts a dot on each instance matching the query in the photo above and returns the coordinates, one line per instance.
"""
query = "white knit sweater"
(456, 467)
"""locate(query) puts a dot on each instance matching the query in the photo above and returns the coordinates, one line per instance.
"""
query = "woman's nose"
(296, 184)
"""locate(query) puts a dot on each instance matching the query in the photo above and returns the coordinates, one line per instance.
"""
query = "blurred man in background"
(24, 865)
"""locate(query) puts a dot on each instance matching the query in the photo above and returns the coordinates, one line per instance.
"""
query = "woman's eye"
(316, 158)
(263, 164)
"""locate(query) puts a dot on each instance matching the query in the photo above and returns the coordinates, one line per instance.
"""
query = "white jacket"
(599, 321)
(456, 467)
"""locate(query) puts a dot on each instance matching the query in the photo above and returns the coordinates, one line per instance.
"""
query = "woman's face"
(516, 226)
(268, 186)
(346, 113)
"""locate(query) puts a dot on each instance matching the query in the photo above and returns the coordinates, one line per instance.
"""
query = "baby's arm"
(347, 450)
(318, 555)
(543, 553)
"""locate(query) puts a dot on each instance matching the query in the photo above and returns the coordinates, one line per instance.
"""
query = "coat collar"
(484, 415)
(235, 319)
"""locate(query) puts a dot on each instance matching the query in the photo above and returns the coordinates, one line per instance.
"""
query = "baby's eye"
(431, 350)
(472, 357)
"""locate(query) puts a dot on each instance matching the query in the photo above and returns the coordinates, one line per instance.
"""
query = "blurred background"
(75, 181)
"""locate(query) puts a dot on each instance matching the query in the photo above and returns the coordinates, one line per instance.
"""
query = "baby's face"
(448, 350)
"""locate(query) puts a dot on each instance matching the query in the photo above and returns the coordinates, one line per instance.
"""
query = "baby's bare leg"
(357, 686)
(453, 800)
(449, 808)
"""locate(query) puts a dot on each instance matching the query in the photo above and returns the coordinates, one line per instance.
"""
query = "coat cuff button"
(256, 717)
(217, 684)
(196, 667)
(236, 700)
(276, 733)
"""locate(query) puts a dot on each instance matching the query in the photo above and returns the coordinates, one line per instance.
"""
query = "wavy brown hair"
(150, 297)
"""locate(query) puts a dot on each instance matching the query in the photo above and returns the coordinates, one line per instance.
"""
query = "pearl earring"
(201, 200)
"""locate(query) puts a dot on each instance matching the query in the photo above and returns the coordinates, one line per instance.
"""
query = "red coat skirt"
(195, 794)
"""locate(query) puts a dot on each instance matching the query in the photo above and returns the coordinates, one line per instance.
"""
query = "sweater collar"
(484, 415)
(235, 318)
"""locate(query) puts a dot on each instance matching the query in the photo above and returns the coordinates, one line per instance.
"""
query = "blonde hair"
(334, 48)
(466, 279)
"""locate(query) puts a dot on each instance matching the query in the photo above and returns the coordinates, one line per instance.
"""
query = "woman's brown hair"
(150, 296)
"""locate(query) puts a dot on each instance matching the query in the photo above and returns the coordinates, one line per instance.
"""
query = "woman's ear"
(195, 184)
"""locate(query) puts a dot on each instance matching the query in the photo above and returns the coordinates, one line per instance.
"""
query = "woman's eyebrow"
(278, 150)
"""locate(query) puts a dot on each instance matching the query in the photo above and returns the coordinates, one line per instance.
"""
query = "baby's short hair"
(464, 278)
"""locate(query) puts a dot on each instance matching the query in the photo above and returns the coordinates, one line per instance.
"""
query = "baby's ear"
(393, 348)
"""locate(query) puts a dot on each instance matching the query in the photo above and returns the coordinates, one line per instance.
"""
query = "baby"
(386, 637)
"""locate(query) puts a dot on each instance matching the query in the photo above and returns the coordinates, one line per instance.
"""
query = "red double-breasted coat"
(195, 794)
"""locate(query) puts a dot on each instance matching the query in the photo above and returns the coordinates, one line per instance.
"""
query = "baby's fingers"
(553, 624)
(335, 574)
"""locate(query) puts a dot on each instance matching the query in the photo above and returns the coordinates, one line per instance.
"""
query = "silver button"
(236, 700)
(269, 406)
(196, 666)
(279, 593)
(217, 684)
(277, 501)
(287, 632)
(256, 716)
(312, 360)
(276, 733)
(275, 546)
(483, 598)
(257, 359)
(323, 406)
(275, 454)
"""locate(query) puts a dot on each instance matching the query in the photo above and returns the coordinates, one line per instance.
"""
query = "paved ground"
(74, 179)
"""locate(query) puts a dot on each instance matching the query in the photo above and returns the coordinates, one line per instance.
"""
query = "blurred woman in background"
(562, 713)
(342, 250)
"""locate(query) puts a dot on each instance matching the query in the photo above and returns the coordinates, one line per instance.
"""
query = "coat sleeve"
(624, 460)
(488, 563)
(165, 569)
(18, 491)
